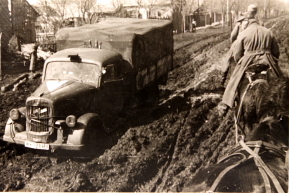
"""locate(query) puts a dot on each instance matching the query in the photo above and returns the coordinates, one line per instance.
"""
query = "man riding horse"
(254, 46)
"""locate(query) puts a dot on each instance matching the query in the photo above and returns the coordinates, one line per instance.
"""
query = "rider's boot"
(222, 109)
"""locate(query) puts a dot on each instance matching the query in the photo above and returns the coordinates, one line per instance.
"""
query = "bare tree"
(54, 12)
(150, 6)
(116, 3)
(60, 7)
(118, 7)
(139, 6)
(87, 9)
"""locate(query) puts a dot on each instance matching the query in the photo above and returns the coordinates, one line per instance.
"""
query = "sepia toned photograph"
(144, 96)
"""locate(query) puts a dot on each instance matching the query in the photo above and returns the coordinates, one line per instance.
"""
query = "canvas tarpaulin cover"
(140, 42)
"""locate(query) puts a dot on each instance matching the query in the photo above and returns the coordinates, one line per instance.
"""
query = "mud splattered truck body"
(96, 71)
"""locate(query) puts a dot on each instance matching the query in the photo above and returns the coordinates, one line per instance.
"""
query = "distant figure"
(229, 63)
(33, 59)
(243, 21)
(238, 28)
(261, 22)
(14, 44)
(194, 25)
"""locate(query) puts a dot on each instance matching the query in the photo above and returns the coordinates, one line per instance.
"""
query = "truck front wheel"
(95, 136)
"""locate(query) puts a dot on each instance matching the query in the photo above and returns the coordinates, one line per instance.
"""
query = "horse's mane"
(272, 131)
(273, 114)
(275, 100)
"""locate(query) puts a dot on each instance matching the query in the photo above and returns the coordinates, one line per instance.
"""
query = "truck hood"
(65, 95)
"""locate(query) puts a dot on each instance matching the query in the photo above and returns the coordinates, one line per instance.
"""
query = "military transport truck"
(95, 73)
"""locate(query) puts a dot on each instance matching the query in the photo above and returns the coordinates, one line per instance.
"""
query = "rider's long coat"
(254, 45)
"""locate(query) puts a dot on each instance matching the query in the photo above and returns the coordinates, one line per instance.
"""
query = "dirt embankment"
(156, 149)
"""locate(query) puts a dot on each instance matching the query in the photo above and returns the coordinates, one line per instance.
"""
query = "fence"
(50, 47)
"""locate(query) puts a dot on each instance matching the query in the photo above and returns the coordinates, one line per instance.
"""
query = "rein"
(264, 170)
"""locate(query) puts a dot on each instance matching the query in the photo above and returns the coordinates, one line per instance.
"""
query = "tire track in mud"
(173, 153)
(198, 99)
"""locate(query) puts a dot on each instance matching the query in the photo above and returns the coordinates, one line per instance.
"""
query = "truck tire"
(95, 136)
(149, 96)
(163, 79)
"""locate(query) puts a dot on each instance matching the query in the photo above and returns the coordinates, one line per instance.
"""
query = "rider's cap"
(252, 8)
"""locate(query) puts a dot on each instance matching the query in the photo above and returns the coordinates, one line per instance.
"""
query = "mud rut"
(156, 148)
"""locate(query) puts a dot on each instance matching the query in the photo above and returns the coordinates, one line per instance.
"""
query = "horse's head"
(272, 131)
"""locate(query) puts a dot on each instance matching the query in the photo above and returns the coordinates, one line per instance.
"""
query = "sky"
(32, 2)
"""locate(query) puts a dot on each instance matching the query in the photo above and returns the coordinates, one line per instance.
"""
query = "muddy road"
(156, 148)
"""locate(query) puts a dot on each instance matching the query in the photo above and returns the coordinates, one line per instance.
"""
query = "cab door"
(112, 88)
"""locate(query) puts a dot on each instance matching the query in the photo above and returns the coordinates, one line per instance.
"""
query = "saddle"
(257, 71)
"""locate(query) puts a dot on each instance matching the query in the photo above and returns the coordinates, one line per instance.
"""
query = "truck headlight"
(71, 121)
(14, 114)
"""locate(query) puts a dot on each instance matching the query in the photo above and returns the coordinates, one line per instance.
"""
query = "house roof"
(32, 8)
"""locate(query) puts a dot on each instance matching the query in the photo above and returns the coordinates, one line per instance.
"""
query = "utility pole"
(269, 9)
(12, 15)
(265, 2)
(0, 56)
(183, 21)
(211, 12)
(198, 17)
(228, 13)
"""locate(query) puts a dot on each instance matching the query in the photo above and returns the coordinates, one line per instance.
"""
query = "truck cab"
(81, 88)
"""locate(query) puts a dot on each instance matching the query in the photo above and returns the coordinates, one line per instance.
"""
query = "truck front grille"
(39, 117)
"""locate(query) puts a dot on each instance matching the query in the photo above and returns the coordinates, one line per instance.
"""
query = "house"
(18, 18)
(5, 23)
(23, 18)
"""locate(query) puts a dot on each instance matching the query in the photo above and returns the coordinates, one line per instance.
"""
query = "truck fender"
(83, 127)
(13, 127)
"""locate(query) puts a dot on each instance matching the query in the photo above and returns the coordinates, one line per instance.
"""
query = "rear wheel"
(149, 96)
(163, 80)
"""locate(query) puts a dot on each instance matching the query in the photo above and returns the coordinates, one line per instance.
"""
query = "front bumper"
(21, 137)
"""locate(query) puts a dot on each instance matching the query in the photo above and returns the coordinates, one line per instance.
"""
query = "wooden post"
(228, 13)
(0, 56)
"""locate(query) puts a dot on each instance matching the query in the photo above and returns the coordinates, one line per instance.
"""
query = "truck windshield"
(84, 72)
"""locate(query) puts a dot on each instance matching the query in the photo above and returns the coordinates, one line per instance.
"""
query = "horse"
(260, 94)
(257, 164)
